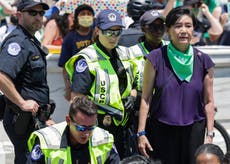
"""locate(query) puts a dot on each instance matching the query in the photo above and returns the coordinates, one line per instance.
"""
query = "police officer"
(78, 140)
(103, 72)
(153, 26)
(23, 76)
(135, 9)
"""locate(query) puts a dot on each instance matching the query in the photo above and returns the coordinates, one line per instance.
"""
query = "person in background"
(135, 9)
(55, 30)
(153, 26)
(7, 8)
(23, 76)
(79, 37)
(103, 72)
(8, 28)
(183, 104)
(208, 28)
(209, 153)
(78, 140)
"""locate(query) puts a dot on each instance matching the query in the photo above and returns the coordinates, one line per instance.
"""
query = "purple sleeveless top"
(181, 103)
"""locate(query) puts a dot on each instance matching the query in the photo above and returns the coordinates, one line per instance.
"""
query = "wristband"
(210, 134)
(141, 133)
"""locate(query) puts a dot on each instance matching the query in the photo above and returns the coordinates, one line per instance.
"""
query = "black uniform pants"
(19, 141)
(176, 144)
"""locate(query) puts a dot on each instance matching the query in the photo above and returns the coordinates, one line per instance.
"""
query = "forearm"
(216, 28)
(9, 90)
(209, 100)
(67, 84)
(143, 114)
(168, 7)
(209, 110)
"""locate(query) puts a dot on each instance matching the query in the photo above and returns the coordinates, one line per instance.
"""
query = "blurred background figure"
(8, 19)
(55, 30)
(79, 37)
(208, 28)
(135, 9)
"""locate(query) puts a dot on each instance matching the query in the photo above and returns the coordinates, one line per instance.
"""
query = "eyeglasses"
(110, 33)
(34, 12)
(82, 128)
(156, 27)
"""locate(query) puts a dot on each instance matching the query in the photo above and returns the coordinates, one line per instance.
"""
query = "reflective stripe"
(143, 49)
(51, 136)
(101, 138)
(49, 161)
(102, 90)
(61, 161)
(99, 160)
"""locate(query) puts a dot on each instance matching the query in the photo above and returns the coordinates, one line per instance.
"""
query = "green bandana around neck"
(182, 63)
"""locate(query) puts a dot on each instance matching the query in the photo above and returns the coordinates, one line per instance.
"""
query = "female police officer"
(103, 72)
(23, 75)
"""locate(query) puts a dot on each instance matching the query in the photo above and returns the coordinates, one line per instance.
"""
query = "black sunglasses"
(110, 33)
(35, 12)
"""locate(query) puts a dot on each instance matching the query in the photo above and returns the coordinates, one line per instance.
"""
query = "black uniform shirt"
(83, 79)
(25, 64)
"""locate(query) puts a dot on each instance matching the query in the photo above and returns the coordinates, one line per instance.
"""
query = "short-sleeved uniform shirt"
(25, 64)
(73, 43)
(181, 103)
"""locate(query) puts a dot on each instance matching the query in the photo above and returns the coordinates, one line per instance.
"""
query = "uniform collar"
(100, 46)
(29, 35)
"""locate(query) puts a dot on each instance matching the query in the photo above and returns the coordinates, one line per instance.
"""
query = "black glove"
(129, 102)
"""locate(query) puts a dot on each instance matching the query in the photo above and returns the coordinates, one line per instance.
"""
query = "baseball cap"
(149, 16)
(26, 4)
(108, 18)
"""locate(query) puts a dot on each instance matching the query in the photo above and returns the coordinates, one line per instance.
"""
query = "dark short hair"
(176, 13)
(84, 105)
(211, 149)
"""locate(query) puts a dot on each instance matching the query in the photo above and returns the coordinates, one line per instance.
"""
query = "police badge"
(107, 120)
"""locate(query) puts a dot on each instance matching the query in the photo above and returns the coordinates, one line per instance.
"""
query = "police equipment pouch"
(44, 111)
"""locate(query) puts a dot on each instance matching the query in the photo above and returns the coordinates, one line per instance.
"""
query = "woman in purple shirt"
(183, 80)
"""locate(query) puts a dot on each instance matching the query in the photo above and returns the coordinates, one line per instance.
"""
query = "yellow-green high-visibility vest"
(105, 88)
(100, 145)
(137, 53)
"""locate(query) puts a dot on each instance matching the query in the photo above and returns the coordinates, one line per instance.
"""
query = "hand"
(50, 122)
(129, 102)
(30, 106)
(208, 139)
(144, 144)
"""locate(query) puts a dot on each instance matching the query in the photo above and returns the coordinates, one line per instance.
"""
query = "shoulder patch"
(36, 153)
(81, 65)
(13, 49)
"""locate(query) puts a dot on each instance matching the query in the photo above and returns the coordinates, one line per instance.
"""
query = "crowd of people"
(118, 81)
